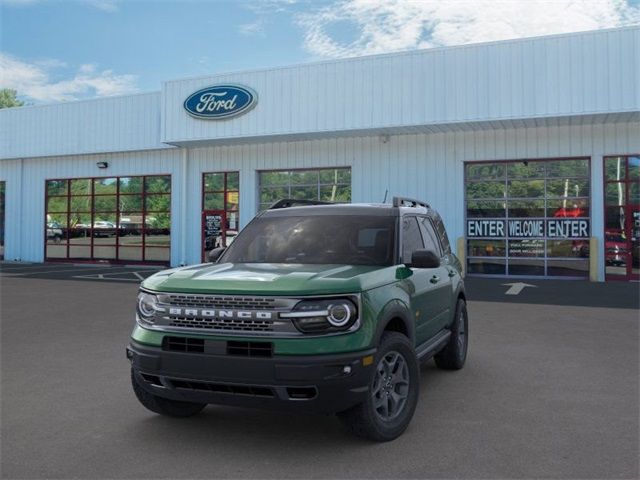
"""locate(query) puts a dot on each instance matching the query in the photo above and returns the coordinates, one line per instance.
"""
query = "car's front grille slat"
(222, 324)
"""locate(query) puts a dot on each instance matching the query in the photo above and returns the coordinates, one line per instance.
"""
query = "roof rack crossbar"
(412, 202)
(292, 202)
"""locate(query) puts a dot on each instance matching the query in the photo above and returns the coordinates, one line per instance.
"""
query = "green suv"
(315, 307)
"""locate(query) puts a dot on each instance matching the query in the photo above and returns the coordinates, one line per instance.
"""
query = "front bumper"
(313, 383)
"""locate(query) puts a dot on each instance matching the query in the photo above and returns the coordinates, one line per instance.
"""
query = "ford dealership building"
(529, 149)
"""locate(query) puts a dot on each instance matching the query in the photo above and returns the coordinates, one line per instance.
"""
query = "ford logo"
(220, 101)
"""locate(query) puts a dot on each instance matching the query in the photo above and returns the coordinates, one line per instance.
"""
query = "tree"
(8, 98)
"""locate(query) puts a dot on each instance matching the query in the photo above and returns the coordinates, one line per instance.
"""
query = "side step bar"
(429, 348)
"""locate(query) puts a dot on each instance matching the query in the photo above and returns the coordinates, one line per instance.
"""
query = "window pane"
(103, 237)
(158, 221)
(158, 203)
(274, 178)
(526, 188)
(56, 233)
(335, 175)
(157, 238)
(411, 238)
(485, 190)
(130, 185)
(526, 267)
(105, 185)
(57, 204)
(526, 169)
(305, 177)
(634, 193)
(429, 236)
(81, 186)
(487, 266)
(568, 268)
(614, 218)
(130, 203)
(158, 184)
(80, 252)
(305, 193)
(485, 171)
(615, 194)
(526, 248)
(130, 253)
(568, 188)
(214, 201)
(130, 238)
(104, 220)
(81, 204)
(233, 199)
(56, 187)
(157, 254)
(273, 194)
(526, 208)
(634, 168)
(340, 193)
(105, 203)
(478, 208)
(486, 248)
(568, 248)
(571, 208)
(568, 168)
(233, 181)
(57, 220)
(614, 168)
(56, 250)
(213, 182)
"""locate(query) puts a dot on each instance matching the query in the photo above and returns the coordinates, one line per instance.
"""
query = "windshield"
(341, 239)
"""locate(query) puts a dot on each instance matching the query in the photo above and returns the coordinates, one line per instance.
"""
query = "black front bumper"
(318, 383)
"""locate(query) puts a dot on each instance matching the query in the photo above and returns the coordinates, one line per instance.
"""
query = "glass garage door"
(119, 219)
(528, 217)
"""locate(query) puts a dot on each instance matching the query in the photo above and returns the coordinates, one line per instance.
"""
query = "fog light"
(346, 369)
(368, 360)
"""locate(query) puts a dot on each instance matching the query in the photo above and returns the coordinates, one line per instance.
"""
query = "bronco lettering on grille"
(211, 313)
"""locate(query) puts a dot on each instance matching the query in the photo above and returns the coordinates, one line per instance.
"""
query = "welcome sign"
(524, 228)
(220, 102)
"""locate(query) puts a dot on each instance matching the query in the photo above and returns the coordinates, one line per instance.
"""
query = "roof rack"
(292, 202)
(409, 202)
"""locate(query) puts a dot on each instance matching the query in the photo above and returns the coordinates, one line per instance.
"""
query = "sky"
(54, 50)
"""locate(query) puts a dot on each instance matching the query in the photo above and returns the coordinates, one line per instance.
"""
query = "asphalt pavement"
(549, 391)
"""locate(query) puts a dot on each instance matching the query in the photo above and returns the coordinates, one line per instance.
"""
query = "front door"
(213, 231)
(622, 218)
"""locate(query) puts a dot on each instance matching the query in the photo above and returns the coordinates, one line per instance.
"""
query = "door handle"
(435, 279)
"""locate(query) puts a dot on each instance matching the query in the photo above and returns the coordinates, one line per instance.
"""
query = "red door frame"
(628, 218)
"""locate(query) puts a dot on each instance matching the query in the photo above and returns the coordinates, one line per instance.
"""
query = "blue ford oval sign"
(220, 101)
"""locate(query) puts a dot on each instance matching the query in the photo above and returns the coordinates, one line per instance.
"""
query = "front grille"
(222, 302)
(251, 390)
(250, 349)
(234, 325)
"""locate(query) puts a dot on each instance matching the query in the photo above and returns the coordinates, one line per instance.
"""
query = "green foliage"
(8, 98)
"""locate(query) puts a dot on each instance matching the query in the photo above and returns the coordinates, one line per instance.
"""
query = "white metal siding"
(427, 166)
(115, 124)
(566, 75)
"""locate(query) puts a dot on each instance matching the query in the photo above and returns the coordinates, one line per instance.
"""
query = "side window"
(442, 234)
(411, 238)
(429, 235)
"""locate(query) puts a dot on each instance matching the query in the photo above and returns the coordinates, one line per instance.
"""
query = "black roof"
(290, 207)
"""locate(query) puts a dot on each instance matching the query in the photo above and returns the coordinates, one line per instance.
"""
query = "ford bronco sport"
(314, 307)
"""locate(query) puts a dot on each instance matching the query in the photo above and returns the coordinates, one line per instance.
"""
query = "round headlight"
(339, 314)
(146, 305)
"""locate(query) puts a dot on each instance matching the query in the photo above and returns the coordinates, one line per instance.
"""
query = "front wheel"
(393, 392)
(454, 354)
(164, 406)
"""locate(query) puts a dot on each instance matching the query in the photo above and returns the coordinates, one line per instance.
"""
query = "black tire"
(164, 406)
(454, 354)
(364, 420)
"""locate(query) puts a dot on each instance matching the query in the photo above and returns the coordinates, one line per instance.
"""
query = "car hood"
(270, 279)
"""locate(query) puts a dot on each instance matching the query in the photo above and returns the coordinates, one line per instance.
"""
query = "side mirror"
(424, 259)
(214, 254)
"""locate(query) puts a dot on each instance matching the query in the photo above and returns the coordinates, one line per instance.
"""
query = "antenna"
(385, 195)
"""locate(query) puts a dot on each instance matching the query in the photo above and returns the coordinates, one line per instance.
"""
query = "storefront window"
(109, 219)
(529, 218)
(220, 209)
(327, 184)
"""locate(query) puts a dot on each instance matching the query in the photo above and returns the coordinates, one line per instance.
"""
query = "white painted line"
(516, 288)
(138, 275)
(94, 277)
